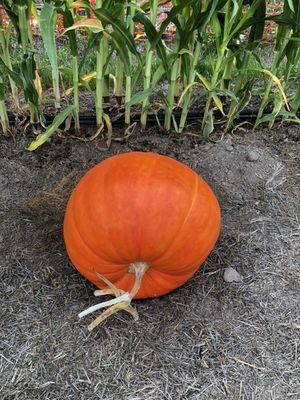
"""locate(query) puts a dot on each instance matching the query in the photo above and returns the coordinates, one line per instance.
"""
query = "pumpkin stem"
(122, 300)
(139, 269)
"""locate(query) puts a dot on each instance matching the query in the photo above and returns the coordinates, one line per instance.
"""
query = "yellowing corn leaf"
(109, 129)
(86, 78)
(275, 80)
(186, 89)
(58, 120)
(85, 23)
(207, 85)
(38, 85)
(89, 77)
(80, 4)
(69, 91)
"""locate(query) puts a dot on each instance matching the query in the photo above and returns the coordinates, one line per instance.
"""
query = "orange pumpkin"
(140, 217)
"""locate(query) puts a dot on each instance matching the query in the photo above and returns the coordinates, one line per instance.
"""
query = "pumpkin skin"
(141, 207)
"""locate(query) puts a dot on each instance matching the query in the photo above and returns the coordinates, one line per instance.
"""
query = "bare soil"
(209, 339)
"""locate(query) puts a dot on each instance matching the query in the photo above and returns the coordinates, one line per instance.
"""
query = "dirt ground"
(209, 339)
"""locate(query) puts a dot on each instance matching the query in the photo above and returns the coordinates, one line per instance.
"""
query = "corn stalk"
(128, 83)
(119, 72)
(47, 24)
(68, 21)
(148, 64)
(100, 76)
(3, 113)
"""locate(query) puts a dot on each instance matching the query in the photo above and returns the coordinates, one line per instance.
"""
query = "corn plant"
(28, 79)
(5, 35)
(66, 9)
(174, 72)
(227, 24)
(242, 56)
(148, 64)
(119, 75)
(131, 10)
(286, 47)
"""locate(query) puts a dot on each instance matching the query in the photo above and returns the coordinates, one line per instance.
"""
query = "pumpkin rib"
(96, 252)
(208, 227)
(116, 257)
(184, 221)
(149, 169)
(101, 259)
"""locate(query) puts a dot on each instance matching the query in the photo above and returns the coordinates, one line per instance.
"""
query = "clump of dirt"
(209, 339)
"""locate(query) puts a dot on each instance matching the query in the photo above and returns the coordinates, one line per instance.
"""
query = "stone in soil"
(252, 156)
(231, 275)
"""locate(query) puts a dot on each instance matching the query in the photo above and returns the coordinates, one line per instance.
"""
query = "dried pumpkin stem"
(139, 269)
(122, 300)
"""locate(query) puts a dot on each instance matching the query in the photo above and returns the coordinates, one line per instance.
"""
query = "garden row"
(224, 35)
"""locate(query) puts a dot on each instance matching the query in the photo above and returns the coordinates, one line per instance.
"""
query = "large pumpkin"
(141, 209)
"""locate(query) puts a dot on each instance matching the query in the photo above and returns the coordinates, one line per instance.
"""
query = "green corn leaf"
(106, 18)
(58, 120)
(137, 75)
(26, 78)
(175, 124)
(185, 51)
(245, 21)
(135, 7)
(22, 3)
(158, 74)
(122, 50)
(28, 73)
(284, 20)
(216, 27)
(93, 43)
(147, 5)
(209, 125)
(202, 19)
(152, 36)
(47, 23)
(140, 97)
(14, 75)
(291, 5)
(68, 21)
(174, 13)
(2, 92)
(234, 11)
(278, 103)
(13, 16)
(257, 29)
(295, 106)
(244, 101)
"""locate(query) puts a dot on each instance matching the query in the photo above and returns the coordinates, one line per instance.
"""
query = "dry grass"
(207, 340)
